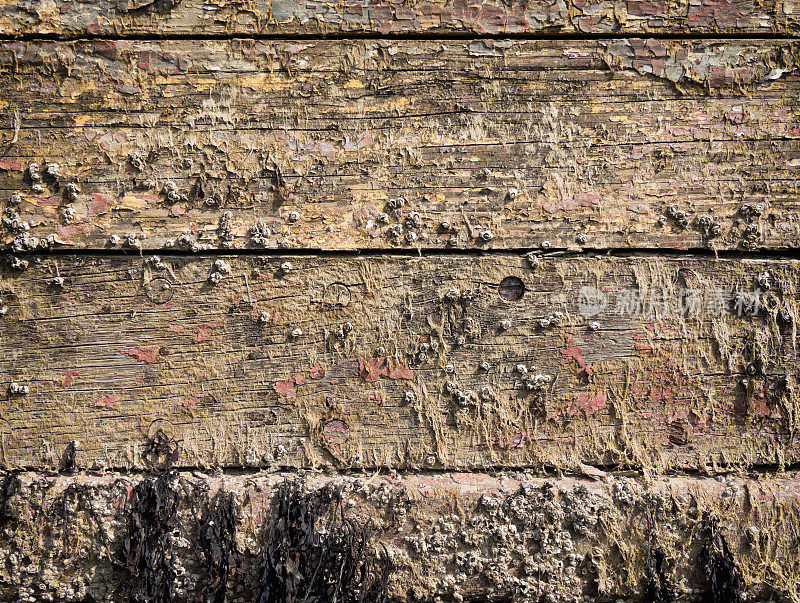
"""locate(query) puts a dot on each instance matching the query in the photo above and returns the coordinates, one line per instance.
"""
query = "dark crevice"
(312, 551)
(784, 253)
(400, 36)
(620, 470)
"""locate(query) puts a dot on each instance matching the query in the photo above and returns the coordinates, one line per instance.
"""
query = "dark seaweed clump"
(161, 452)
(313, 553)
(152, 515)
(216, 539)
(9, 484)
(658, 587)
(716, 559)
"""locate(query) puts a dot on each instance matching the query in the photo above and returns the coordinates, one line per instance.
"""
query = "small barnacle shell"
(222, 266)
(298, 332)
(486, 235)
(70, 192)
(17, 389)
(452, 294)
(294, 216)
(264, 317)
(286, 267)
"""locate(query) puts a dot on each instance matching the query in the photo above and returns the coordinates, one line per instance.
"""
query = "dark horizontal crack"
(433, 36)
(534, 471)
(786, 253)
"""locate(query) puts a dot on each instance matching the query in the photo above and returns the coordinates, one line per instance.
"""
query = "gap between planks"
(786, 253)
(400, 36)
(592, 471)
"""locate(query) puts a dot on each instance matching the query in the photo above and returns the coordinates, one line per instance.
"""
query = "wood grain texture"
(489, 144)
(480, 537)
(308, 17)
(379, 362)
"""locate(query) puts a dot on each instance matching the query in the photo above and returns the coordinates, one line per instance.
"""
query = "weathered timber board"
(308, 17)
(496, 144)
(386, 366)
(479, 537)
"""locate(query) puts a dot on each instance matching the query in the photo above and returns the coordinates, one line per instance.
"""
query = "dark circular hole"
(511, 288)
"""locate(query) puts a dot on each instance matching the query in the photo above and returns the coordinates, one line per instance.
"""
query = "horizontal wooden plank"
(308, 17)
(444, 362)
(486, 144)
(450, 537)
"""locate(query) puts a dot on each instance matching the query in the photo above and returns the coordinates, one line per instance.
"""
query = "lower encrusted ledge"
(181, 536)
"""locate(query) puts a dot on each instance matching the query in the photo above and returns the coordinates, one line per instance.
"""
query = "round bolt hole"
(511, 288)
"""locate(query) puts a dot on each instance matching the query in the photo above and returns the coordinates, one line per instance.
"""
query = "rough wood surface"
(308, 17)
(450, 537)
(379, 362)
(309, 144)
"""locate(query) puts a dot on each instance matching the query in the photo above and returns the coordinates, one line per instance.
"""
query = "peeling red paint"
(588, 402)
(575, 353)
(100, 203)
(579, 201)
(175, 329)
(667, 385)
(288, 387)
(144, 354)
(335, 433)
(67, 377)
(109, 401)
(372, 369)
(8, 164)
(316, 372)
(203, 332)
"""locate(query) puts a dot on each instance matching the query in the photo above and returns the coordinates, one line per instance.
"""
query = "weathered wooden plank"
(400, 362)
(307, 17)
(488, 143)
(450, 537)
